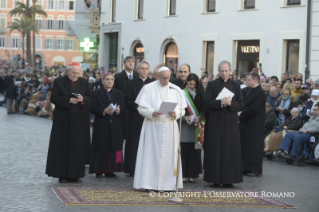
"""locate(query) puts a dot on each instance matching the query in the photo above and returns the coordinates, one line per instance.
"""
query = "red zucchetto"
(74, 64)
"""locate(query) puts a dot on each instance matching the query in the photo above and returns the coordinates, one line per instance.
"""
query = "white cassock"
(156, 161)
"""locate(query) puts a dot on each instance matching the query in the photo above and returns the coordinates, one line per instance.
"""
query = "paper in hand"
(191, 118)
(113, 107)
(225, 93)
(167, 107)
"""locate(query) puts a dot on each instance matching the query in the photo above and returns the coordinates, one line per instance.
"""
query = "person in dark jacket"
(252, 127)
(9, 86)
(107, 140)
(270, 119)
(293, 122)
(191, 126)
(135, 120)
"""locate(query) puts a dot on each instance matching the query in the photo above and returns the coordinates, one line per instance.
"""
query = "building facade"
(55, 43)
(248, 33)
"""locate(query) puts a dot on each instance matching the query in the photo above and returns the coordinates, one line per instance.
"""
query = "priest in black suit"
(135, 120)
(127, 74)
(107, 138)
(252, 127)
(66, 155)
(222, 147)
(122, 78)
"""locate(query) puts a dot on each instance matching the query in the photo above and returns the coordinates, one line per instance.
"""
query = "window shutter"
(42, 24)
(47, 4)
(19, 42)
(11, 42)
(64, 26)
(5, 42)
(54, 43)
(46, 24)
(66, 5)
(45, 44)
(73, 42)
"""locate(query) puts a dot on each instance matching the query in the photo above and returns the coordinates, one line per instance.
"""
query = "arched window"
(138, 53)
(171, 56)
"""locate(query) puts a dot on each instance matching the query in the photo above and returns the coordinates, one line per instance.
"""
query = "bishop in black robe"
(135, 122)
(252, 131)
(222, 148)
(70, 130)
(107, 138)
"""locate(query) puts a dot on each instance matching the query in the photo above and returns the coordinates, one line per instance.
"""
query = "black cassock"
(252, 130)
(222, 148)
(120, 80)
(135, 122)
(70, 132)
(108, 132)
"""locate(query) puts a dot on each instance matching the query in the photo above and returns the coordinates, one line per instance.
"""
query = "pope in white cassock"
(156, 163)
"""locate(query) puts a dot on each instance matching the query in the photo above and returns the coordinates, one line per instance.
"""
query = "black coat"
(9, 86)
(120, 80)
(222, 149)
(70, 130)
(244, 91)
(98, 84)
(108, 132)
(135, 122)
(270, 121)
(1, 83)
(252, 129)
(294, 124)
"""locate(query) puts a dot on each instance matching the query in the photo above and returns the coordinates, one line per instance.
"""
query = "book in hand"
(76, 95)
(225, 93)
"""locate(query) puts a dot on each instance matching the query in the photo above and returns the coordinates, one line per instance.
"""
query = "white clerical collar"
(128, 74)
(142, 79)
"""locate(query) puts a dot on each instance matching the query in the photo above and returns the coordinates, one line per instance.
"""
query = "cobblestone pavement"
(25, 187)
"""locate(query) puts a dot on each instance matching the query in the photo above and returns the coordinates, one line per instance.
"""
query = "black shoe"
(9, 113)
(111, 175)
(289, 157)
(131, 175)
(62, 180)
(73, 180)
(228, 185)
(216, 185)
(99, 175)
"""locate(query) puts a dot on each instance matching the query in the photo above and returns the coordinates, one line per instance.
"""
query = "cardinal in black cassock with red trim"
(70, 132)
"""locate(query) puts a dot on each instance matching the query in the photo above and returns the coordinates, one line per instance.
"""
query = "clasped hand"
(108, 110)
(226, 101)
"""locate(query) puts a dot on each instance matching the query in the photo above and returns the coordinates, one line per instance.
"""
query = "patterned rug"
(131, 197)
